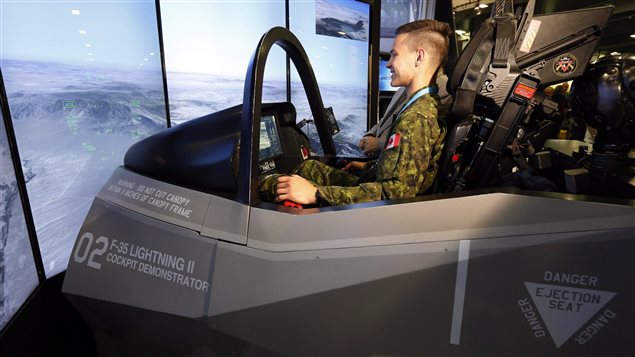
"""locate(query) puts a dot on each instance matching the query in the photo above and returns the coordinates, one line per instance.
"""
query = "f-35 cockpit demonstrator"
(176, 254)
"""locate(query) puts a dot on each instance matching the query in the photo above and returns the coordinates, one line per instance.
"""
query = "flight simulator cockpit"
(499, 123)
(178, 240)
(188, 155)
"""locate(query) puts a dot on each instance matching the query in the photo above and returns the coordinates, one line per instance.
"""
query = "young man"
(374, 140)
(407, 165)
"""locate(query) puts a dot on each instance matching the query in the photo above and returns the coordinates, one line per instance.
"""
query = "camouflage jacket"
(408, 164)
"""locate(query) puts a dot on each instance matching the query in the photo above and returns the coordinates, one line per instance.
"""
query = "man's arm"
(401, 169)
(296, 189)
(374, 139)
(371, 145)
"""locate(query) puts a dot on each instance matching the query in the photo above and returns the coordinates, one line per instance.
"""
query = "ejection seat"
(510, 58)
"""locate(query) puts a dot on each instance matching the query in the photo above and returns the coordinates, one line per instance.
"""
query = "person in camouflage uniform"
(374, 140)
(408, 164)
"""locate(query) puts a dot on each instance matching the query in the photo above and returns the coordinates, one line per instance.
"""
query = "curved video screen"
(84, 82)
(205, 65)
(18, 276)
(335, 35)
(384, 77)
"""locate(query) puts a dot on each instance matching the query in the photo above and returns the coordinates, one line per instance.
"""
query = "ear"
(420, 54)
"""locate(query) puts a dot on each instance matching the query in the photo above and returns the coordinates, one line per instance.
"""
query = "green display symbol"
(69, 104)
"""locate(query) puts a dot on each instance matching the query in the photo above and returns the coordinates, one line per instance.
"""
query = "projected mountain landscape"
(74, 124)
(193, 95)
(18, 277)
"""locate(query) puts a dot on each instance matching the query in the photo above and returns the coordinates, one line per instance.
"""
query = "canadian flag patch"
(393, 142)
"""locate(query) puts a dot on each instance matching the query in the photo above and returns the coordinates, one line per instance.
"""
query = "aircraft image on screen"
(332, 18)
(177, 237)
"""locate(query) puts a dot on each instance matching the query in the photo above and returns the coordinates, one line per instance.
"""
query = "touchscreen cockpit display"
(270, 146)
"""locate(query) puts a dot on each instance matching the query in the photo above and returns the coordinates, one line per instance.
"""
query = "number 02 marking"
(83, 249)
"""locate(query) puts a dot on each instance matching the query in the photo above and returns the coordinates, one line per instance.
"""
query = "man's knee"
(308, 168)
(267, 188)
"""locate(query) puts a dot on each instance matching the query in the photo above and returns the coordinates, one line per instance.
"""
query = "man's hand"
(296, 189)
(369, 146)
(355, 166)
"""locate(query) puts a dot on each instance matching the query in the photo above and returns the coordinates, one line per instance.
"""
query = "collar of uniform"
(433, 88)
(420, 93)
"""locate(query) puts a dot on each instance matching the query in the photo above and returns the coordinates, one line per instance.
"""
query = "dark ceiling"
(616, 37)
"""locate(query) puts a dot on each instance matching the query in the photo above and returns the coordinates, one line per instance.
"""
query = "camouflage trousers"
(316, 172)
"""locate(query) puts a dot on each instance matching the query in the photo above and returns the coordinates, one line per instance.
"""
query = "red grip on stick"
(288, 203)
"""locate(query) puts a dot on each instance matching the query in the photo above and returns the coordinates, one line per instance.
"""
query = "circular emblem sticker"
(564, 65)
